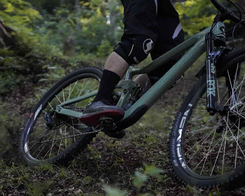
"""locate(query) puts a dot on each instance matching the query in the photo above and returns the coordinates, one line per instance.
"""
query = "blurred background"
(43, 40)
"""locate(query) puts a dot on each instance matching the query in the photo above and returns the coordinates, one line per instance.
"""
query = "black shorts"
(157, 19)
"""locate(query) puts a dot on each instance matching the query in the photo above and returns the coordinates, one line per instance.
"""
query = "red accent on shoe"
(93, 119)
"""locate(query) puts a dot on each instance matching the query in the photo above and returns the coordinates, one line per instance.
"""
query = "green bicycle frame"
(195, 45)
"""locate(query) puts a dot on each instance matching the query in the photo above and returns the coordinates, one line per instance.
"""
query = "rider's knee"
(134, 49)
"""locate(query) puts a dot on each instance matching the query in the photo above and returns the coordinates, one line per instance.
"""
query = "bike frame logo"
(179, 139)
(211, 88)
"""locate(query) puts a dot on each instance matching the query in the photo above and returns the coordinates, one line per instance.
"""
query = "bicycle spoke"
(53, 142)
(197, 144)
(59, 147)
(93, 86)
(50, 150)
(63, 95)
(40, 148)
(58, 98)
(236, 152)
(237, 143)
(75, 129)
(71, 90)
(198, 131)
(216, 159)
(240, 87)
(51, 136)
(208, 152)
(74, 138)
(225, 136)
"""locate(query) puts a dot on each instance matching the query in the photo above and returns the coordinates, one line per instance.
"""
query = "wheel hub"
(235, 116)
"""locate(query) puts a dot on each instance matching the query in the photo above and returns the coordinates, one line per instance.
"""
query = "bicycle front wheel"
(209, 151)
(52, 138)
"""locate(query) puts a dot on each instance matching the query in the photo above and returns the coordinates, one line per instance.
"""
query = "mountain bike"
(207, 141)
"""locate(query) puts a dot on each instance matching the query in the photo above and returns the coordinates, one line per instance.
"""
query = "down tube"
(158, 89)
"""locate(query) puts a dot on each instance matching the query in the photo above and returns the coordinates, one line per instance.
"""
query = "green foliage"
(96, 27)
(45, 168)
(16, 13)
(7, 83)
(5, 53)
(63, 173)
(150, 171)
(196, 15)
(21, 69)
(104, 49)
(87, 180)
(153, 171)
(39, 188)
(114, 191)
(93, 26)
(19, 15)
(30, 57)
(9, 131)
(139, 180)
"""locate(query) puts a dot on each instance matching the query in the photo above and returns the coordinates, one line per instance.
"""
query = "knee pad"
(134, 49)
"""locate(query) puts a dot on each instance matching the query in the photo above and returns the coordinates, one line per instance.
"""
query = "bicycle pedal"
(107, 123)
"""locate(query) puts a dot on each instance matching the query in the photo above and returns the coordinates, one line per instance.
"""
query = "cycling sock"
(108, 83)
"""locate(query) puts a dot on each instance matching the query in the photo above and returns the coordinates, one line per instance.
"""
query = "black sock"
(107, 85)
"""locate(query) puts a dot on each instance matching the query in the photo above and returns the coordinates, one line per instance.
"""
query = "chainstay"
(72, 136)
(76, 135)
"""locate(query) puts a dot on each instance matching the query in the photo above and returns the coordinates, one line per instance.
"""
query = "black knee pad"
(134, 49)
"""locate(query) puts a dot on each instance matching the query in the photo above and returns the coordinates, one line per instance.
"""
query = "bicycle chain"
(66, 137)
(76, 135)
(80, 134)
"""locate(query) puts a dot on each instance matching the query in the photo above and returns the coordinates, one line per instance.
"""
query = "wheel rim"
(43, 142)
(215, 145)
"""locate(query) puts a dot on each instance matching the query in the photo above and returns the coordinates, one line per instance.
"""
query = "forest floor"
(109, 162)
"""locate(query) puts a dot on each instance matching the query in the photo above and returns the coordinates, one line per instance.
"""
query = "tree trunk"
(69, 46)
(78, 15)
(6, 37)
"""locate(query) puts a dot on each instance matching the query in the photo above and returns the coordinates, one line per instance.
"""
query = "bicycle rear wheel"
(51, 138)
(209, 151)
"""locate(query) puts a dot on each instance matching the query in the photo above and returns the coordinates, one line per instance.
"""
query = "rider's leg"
(121, 65)
(144, 81)
(137, 42)
(167, 38)
(131, 50)
(114, 70)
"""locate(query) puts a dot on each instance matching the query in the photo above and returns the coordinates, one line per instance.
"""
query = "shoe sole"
(93, 119)
(118, 135)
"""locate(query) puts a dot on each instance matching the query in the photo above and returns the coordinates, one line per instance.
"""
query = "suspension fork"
(211, 75)
(213, 54)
